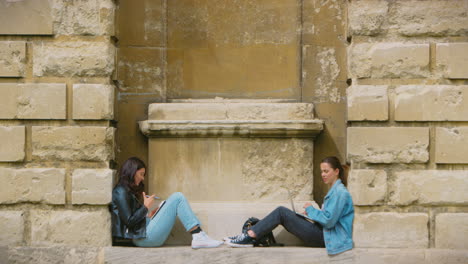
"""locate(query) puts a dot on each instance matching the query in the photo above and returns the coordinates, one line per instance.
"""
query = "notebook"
(155, 212)
(297, 213)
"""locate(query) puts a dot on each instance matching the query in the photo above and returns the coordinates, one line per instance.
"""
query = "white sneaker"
(202, 240)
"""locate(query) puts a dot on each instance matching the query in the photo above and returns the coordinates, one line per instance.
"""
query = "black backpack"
(267, 240)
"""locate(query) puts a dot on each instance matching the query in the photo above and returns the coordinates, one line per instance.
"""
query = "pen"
(148, 196)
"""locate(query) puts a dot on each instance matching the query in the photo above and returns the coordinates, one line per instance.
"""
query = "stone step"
(226, 219)
(281, 255)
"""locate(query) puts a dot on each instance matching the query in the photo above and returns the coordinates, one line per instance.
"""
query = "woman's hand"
(148, 201)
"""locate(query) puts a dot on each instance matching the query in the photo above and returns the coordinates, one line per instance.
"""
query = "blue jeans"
(310, 233)
(159, 228)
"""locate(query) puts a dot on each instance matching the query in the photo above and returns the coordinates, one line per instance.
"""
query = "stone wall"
(56, 132)
(290, 50)
(407, 129)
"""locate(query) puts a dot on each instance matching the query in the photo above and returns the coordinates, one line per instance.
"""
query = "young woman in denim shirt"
(131, 221)
(333, 224)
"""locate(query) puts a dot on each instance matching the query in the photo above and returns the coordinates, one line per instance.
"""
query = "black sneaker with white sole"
(242, 240)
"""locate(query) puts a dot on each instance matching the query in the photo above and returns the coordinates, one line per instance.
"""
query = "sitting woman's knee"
(177, 195)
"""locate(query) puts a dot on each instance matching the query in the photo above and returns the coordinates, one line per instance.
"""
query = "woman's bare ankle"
(251, 234)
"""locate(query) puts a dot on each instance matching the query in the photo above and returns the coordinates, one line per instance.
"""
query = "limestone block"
(32, 185)
(258, 169)
(323, 68)
(12, 142)
(391, 230)
(388, 60)
(282, 255)
(92, 186)
(141, 69)
(12, 57)
(69, 227)
(435, 103)
(91, 17)
(323, 23)
(54, 254)
(367, 17)
(77, 58)
(148, 23)
(93, 101)
(72, 143)
(388, 256)
(26, 18)
(236, 49)
(451, 145)
(367, 187)
(451, 230)
(367, 102)
(231, 111)
(430, 187)
(436, 256)
(452, 60)
(430, 18)
(388, 144)
(12, 223)
(33, 101)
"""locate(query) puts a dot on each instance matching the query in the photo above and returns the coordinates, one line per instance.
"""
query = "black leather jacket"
(128, 214)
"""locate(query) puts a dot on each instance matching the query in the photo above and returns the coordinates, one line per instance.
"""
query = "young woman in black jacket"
(131, 219)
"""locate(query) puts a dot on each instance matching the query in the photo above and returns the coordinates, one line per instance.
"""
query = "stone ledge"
(274, 255)
(226, 255)
(234, 128)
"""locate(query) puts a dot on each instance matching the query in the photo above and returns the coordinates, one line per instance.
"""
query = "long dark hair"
(127, 173)
(335, 163)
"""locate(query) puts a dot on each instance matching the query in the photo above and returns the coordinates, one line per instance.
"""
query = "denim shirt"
(336, 217)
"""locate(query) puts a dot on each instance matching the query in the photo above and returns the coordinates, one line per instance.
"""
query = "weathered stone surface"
(388, 60)
(148, 23)
(237, 49)
(55, 255)
(323, 23)
(367, 17)
(430, 187)
(452, 59)
(250, 166)
(275, 255)
(451, 230)
(367, 102)
(33, 101)
(436, 256)
(431, 18)
(451, 145)
(93, 101)
(12, 142)
(81, 58)
(13, 228)
(141, 69)
(12, 57)
(367, 187)
(91, 17)
(388, 145)
(26, 18)
(32, 185)
(72, 143)
(283, 255)
(92, 186)
(321, 72)
(70, 228)
(435, 103)
(231, 111)
(391, 230)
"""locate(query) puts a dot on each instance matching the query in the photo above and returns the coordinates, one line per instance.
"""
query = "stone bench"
(280, 255)
(226, 255)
